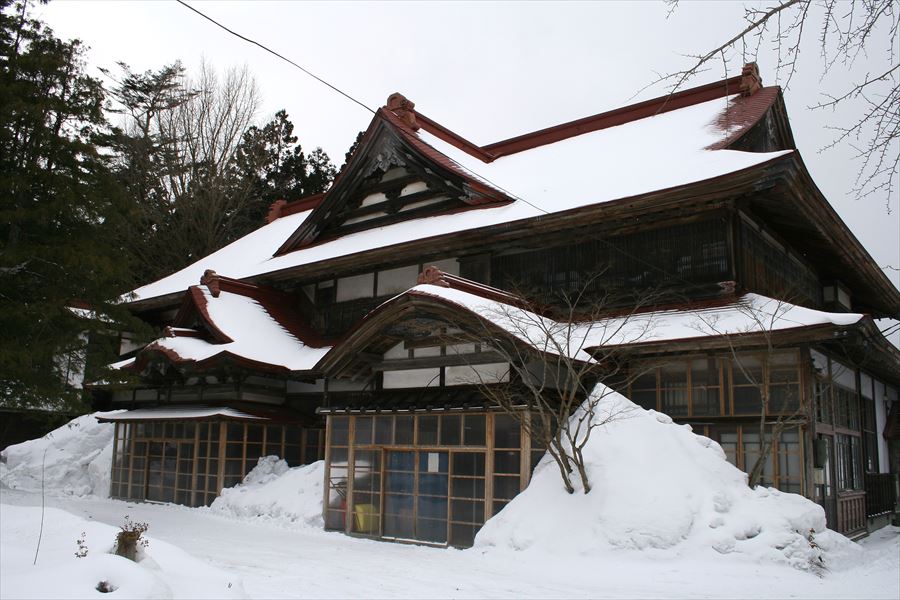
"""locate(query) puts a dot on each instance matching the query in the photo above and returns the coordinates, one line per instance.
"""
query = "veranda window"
(428, 477)
(189, 462)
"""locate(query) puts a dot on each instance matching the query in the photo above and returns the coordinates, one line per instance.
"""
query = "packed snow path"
(279, 562)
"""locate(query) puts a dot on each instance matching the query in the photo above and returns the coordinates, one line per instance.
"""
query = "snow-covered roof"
(748, 314)
(242, 258)
(644, 155)
(178, 413)
(255, 335)
(655, 153)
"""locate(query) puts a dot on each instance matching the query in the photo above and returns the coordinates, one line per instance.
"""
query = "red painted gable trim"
(563, 131)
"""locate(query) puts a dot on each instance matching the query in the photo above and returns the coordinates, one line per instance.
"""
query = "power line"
(270, 51)
(348, 96)
(591, 236)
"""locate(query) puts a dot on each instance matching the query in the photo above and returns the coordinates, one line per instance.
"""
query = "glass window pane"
(403, 430)
(507, 431)
(340, 430)
(384, 430)
(505, 487)
(450, 430)
(433, 462)
(363, 430)
(473, 430)
(507, 461)
(428, 430)
(468, 463)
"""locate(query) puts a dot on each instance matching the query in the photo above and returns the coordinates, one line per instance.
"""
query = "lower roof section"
(201, 413)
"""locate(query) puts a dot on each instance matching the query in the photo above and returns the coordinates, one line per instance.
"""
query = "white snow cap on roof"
(257, 336)
(646, 155)
(177, 412)
(752, 313)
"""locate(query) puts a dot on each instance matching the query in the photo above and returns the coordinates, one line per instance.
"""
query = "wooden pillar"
(194, 464)
(327, 482)
(351, 451)
(489, 465)
(112, 468)
(223, 436)
(525, 462)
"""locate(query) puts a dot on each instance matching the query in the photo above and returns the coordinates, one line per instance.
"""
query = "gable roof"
(386, 143)
(227, 319)
(650, 146)
(460, 301)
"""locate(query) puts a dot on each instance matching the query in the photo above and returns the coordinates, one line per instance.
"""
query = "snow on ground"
(668, 517)
(660, 487)
(275, 561)
(273, 491)
(78, 459)
(162, 571)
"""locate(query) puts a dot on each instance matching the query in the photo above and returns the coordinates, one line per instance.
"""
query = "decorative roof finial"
(275, 210)
(405, 109)
(211, 280)
(432, 276)
(751, 82)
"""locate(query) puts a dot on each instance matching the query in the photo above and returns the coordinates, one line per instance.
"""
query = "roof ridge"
(747, 83)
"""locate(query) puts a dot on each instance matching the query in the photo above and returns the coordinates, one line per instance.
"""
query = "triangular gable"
(193, 315)
(424, 316)
(257, 327)
(392, 176)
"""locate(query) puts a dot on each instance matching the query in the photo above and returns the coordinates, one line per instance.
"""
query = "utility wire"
(270, 51)
(498, 187)
(351, 98)
(591, 236)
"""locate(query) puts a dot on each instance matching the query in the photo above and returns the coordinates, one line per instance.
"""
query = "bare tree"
(775, 414)
(175, 149)
(848, 32)
(555, 359)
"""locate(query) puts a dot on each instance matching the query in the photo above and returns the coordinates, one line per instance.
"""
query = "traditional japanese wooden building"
(352, 325)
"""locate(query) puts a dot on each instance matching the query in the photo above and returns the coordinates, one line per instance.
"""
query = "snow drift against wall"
(78, 459)
(274, 492)
(660, 487)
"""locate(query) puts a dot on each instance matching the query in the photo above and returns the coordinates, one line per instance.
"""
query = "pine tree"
(275, 167)
(60, 211)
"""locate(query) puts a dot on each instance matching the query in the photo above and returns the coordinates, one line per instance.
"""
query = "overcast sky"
(486, 70)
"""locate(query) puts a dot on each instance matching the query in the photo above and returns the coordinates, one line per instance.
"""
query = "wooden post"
(488, 465)
(348, 517)
(112, 469)
(223, 436)
(194, 464)
(327, 482)
(525, 449)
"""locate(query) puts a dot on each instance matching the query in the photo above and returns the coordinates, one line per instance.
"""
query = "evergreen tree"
(275, 167)
(60, 211)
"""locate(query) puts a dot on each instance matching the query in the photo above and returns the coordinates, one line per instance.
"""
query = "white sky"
(486, 70)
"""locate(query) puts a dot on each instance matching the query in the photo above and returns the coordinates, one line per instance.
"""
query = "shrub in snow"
(78, 459)
(274, 491)
(659, 486)
(165, 571)
(130, 539)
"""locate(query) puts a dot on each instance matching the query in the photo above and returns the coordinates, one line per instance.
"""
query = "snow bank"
(273, 491)
(659, 487)
(164, 571)
(78, 459)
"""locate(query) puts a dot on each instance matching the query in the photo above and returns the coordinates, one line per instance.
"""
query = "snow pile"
(163, 570)
(78, 459)
(273, 491)
(659, 487)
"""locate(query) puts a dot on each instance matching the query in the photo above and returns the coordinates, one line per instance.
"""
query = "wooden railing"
(851, 512)
(881, 493)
